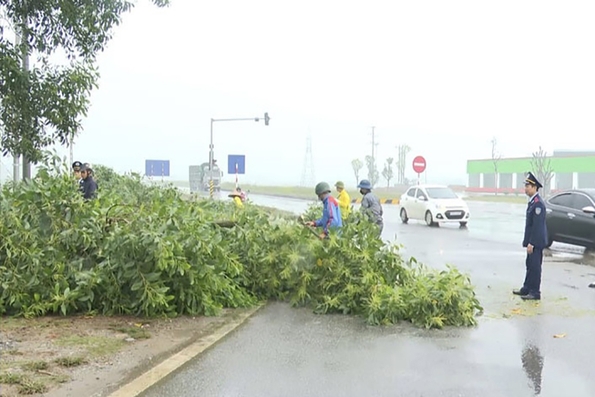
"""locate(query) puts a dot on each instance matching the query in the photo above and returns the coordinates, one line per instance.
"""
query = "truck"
(200, 176)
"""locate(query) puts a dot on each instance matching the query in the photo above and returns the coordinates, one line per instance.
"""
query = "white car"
(435, 204)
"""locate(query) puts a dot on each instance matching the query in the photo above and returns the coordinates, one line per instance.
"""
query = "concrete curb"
(169, 365)
(382, 201)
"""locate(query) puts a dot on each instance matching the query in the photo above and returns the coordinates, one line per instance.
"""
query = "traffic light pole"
(211, 153)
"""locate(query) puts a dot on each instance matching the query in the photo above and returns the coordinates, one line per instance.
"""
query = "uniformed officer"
(76, 169)
(535, 240)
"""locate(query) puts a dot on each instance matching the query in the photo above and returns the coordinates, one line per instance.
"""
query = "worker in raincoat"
(241, 193)
(344, 200)
(237, 199)
(371, 204)
(331, 214)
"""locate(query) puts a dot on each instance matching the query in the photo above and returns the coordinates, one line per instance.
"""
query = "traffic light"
(266, 119)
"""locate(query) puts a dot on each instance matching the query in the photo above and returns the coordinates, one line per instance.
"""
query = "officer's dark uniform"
(536, 235)
(89, 186)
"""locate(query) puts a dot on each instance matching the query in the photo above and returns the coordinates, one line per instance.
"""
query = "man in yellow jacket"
(344, 200)
(236, 199)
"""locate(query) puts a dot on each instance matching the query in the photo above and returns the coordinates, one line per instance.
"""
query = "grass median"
(308, 192)
(382, 193)
(392, 193)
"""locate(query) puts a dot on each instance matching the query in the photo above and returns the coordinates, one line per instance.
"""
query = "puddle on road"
(555, 306)
(570, 254)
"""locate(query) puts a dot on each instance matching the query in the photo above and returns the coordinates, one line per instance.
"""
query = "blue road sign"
(157, 167)
(234, 159)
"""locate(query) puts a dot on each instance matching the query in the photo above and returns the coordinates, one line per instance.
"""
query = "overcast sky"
(442, 77)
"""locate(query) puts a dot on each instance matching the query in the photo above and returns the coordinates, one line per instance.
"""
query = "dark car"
(570, 218)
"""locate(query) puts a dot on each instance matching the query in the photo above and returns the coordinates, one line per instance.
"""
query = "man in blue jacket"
(535, 240)
(331, 214)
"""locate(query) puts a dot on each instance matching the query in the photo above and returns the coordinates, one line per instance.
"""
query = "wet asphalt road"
(513, 352)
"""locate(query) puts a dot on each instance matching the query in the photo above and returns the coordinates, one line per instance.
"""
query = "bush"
(142, 249)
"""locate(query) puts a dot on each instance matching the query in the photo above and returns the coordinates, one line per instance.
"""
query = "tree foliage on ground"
(357, 166)
(45, 104)
(141, 249)
(387, 171)
(373, 174)
(542, 168)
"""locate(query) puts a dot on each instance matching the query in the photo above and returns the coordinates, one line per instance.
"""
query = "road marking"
(160, 371)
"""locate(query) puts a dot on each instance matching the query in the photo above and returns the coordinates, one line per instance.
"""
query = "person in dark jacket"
(371, 205)
(88, 186)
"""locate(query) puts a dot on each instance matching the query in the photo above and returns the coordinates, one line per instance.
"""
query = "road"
(283, 351)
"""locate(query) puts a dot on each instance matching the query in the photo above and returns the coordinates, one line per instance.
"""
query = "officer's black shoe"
(592, 285)
(518, 292)
(530, 297)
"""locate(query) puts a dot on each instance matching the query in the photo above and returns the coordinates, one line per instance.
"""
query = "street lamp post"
(211, 154)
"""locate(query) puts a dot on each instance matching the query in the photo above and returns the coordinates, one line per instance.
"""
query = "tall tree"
(44, 104)
(403, 150)
(357, 166)
(387, 171)
(373, 174)
(496, 157)
(542, 169)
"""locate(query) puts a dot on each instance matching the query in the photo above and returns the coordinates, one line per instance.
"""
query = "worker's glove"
(322, 236)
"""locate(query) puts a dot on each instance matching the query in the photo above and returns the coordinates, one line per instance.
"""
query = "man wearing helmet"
(89, 186)
(371, 204)
(331, 214)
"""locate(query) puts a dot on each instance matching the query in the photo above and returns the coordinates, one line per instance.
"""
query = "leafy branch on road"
(161, 255)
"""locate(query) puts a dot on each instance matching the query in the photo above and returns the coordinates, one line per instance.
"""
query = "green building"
(571, 170)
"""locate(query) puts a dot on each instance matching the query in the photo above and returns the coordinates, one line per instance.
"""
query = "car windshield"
(441, 193)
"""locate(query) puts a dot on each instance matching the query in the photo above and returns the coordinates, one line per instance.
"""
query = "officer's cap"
(531, 180)
(76, 166)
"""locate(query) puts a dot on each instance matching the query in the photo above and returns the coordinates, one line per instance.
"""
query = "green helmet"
(321, 188)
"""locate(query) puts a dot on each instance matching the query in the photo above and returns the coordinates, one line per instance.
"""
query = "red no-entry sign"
(419, 164)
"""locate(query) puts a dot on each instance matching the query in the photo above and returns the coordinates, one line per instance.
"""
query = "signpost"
(157, 168)
(419, 166)
(267, 120)
(236, 164)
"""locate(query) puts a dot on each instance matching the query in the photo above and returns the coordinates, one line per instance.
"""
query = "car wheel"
(404, 217)
(463, 224)
(429, 219)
